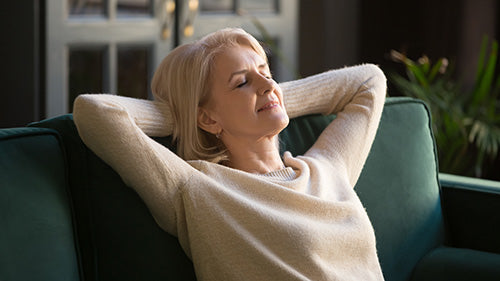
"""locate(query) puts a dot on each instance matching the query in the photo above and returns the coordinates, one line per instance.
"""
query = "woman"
(239, 210)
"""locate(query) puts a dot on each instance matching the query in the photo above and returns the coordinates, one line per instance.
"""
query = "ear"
(206, 122)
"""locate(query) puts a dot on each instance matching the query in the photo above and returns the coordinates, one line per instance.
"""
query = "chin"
(276, 123)
(282, 123)
(286, 121)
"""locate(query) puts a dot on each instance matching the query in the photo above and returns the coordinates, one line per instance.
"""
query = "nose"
(266, 85)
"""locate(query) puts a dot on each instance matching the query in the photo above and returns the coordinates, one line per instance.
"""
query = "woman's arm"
(115, 129)
(356, 94)
(327, 92)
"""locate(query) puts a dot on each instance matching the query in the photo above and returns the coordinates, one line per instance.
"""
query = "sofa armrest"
(455, 264)
(471, 209)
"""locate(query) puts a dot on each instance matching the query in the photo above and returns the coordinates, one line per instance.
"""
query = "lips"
(268, 105)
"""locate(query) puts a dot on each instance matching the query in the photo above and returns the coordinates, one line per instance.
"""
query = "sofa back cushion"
(399, 183)
(36, 231)
(400, 188)
(118, 237)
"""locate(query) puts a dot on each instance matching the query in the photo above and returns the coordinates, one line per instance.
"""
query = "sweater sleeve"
(115, 128)
(356, 95)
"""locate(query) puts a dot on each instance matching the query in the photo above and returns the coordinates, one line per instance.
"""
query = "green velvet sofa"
(66, 215)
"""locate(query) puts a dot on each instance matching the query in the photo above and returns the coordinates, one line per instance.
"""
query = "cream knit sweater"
(304, 222)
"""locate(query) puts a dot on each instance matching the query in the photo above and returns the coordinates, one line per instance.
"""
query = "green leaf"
(435, 70)
(482, 56)
(486, 79)
(466, 125)
(419, 74)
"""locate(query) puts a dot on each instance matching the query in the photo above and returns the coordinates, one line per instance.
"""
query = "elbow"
(83, 113)
(376, 75)
(373, 89)
(88, 105)
(88, 110)
(376, 82)
(82, 104)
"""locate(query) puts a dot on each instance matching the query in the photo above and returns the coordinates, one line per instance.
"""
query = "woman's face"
(244, 100)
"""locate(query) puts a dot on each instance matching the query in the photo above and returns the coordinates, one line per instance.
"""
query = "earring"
(217, 135)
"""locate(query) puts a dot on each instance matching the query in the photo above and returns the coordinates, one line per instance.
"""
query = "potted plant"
(466, 123)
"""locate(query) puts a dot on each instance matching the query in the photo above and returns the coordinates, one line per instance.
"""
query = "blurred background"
(443, 52)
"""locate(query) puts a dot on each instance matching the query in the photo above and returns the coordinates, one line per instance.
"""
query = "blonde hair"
(183, 80)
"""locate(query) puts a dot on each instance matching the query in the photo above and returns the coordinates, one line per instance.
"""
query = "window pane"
(86, 7)
(134, 8)
(85, 72)
(266, 6)
(133, 74)
(217, 5)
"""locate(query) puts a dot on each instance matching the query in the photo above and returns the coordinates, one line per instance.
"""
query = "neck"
(257, 156)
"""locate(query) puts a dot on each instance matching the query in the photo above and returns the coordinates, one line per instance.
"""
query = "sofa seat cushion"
(458, 264)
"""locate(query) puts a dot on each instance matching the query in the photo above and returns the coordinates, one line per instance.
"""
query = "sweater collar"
(286, 174)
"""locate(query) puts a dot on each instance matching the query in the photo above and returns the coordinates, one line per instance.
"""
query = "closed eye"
(241, 84)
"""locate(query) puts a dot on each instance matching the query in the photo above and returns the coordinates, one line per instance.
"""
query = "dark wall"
(21, 92)
(415, 27)
(328, 34)
(334, 33)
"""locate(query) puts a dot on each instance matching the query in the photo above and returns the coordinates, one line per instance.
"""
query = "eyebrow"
(244, 71)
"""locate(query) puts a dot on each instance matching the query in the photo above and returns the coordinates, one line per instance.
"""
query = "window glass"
(259, 6)
(86, 7)
(228, 6)
(128, 8)
(85, 72)
(217, 6)
(133, 74)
